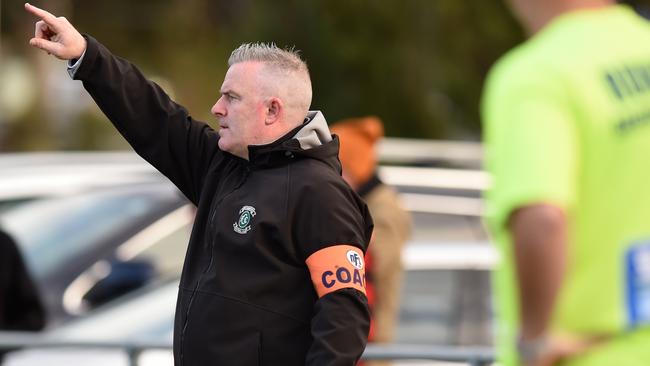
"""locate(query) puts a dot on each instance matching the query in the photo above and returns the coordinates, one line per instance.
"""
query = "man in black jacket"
(274, 271)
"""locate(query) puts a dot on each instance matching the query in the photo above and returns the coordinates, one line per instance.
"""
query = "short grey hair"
(287, 59)
(294, 83)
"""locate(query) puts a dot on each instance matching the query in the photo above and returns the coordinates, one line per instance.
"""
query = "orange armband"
(336, 267)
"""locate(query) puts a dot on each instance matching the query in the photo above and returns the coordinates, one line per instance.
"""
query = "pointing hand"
(56, 35)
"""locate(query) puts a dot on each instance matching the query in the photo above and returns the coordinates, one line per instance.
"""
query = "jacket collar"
(311, 139)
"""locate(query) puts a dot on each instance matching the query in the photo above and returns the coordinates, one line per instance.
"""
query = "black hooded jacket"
(246, 295)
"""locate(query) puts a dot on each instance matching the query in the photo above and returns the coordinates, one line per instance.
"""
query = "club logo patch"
(355, 259)
(243, 224)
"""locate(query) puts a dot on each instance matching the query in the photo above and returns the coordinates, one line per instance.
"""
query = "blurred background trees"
(417, 64)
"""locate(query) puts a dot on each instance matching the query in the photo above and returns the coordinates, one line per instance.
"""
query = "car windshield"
(50, 231)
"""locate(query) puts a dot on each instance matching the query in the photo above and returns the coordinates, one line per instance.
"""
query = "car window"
(168, 253)
(50, 231)
(162, 244)
(7, 204)
(156, 253)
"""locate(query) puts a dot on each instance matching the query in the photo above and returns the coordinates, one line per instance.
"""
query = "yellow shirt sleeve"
(530, 140)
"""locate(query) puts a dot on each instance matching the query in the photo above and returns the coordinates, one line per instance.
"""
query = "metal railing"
(474, 356)
(464, 154)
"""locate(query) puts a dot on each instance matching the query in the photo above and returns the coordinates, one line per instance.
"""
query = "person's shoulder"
(313, 181)
(517, 65)
(321, 185)
(313, 172)
(509, 74)
(524, 71)
(550, 53)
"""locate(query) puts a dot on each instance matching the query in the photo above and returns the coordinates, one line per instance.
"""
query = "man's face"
(241, 109)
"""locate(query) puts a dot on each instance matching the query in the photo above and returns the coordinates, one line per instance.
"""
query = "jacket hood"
(314, 131)
(312, 139)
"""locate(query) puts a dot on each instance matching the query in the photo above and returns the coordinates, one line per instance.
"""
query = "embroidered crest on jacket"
(243, 224)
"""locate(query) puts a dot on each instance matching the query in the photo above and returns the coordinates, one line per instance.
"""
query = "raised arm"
(158, 129)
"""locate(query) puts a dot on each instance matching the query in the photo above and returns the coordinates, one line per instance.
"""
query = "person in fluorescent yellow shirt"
(567, 135)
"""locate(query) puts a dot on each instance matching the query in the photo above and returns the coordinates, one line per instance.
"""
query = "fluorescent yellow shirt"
(567, 121)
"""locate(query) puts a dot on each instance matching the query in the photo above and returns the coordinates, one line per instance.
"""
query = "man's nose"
(218, 108)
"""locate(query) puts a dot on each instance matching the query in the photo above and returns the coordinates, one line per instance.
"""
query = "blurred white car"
(85, 249)
(28, 176)
(445, 299)
(146, 316)
(433, 312)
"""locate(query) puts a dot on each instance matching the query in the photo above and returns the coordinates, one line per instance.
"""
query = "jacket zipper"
(211, 247)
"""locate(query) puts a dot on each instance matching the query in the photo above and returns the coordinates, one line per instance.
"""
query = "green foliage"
(417, 64)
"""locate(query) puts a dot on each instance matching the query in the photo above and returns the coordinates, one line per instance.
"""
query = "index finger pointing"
(46, 16)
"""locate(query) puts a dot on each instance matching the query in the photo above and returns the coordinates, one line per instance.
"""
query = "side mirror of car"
(123, 278)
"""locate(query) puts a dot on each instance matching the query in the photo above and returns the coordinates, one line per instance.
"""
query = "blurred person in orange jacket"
(358, 139)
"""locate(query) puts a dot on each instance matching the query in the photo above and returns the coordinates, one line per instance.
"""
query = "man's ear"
(274, 110)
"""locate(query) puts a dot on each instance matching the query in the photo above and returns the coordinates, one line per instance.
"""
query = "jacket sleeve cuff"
(81, 68)
(73, 65)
